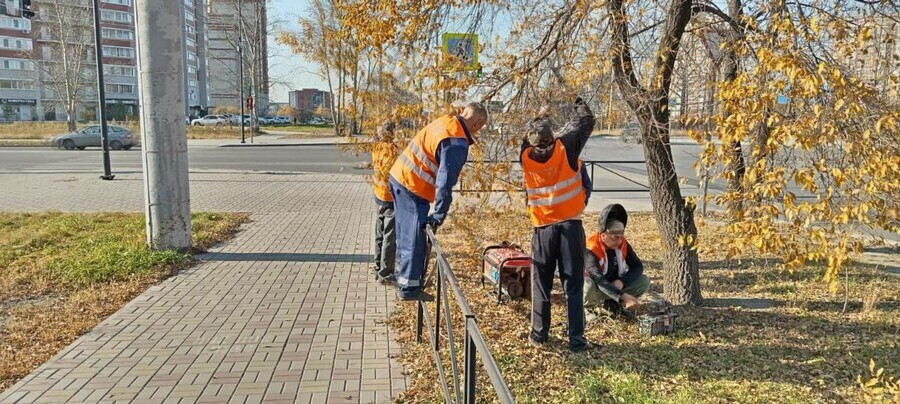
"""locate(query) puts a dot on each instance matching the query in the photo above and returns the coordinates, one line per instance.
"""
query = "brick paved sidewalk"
(285, 312)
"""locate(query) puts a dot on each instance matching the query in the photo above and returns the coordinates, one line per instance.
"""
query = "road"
(321, 159)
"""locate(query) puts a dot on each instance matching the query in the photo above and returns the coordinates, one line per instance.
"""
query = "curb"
(282, 144)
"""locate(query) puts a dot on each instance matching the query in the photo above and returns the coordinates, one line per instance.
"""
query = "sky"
(288, 71)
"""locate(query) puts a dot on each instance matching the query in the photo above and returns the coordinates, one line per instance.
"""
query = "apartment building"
(225, 18)
(31, 53)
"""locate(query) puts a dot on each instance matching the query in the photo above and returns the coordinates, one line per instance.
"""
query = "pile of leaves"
(763, 335)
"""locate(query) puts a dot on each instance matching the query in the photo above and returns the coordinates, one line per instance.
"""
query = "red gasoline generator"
(508, 268)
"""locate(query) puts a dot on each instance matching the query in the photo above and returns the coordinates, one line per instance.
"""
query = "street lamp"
(241, 62)
(101, 95)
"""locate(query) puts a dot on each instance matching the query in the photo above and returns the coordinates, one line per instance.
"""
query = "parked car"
(266, 120)
(210, 120)
(236, 119)
(283, 120)
(631, 133)
(316, 121)
(119, 138)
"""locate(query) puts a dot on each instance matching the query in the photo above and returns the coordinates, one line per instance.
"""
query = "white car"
(282, 120)
(265, 120)
(210, 120)
(236, 119)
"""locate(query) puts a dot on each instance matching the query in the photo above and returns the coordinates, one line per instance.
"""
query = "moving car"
(210, 120)
(119, 138)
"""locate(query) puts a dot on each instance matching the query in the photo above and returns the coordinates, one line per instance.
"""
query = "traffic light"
(26, 9)
(17, 8)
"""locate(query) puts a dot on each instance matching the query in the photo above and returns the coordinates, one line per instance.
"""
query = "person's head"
(386, 131)
(539, 132)
(613, 235)
(475, 116)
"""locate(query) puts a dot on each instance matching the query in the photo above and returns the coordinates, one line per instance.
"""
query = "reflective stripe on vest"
(553, 189)
(417, 167)
(424, 175)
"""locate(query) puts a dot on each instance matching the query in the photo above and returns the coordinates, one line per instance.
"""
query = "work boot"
(418, 295)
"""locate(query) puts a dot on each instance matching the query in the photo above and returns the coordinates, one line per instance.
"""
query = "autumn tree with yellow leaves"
(800, 174)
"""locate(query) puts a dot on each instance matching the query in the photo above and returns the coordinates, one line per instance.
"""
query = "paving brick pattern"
(286, 312)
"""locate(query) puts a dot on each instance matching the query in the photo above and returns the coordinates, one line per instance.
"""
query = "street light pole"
(101, 95)
(241, 62)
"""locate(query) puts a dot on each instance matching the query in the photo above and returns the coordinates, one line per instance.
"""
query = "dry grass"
(46, 130)
(303, 131)
(64, 273)
(802, 349)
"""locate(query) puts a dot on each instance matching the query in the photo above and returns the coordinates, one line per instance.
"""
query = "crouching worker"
(614, 275)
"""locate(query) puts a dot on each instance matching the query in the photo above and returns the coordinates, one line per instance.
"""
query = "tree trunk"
(674, 219)
(737, 166)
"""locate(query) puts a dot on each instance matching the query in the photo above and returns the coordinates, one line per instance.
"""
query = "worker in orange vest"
(555, 200)
(426, 172)
(613, 273)
(384, 153)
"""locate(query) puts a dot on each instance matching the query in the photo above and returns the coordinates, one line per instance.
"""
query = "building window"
(120, 2)
(192, 70)
(7, 42)
(120, 88)
(189, 3)
(15, 23)
(188, 28)
(113, 33)
(188, 15)
(15, 64)
(190, 42)
(118, 52)
(192, 83)
(16, 85)
(120, 70)
(191, 56)
(116, 16)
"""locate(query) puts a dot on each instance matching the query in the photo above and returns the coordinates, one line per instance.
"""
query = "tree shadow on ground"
(756, 346)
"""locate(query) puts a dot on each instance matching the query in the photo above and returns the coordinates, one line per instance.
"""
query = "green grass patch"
(63, 273)
(51, 252)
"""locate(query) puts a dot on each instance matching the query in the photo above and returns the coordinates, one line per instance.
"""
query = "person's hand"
(629, 301)
(434, 221)
(618, 283)
(581, 107)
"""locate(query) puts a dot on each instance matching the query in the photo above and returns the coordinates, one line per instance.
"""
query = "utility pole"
(101, 95)
(241, 62)
(159, 26)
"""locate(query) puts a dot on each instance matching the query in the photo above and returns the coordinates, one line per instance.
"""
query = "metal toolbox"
(508, 269)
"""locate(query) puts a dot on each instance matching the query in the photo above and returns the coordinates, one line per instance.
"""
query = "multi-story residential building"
(31, 49)
(309, 99)
(18, 95)
(225, 18)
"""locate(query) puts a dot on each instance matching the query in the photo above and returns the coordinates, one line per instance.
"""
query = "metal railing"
(591, 164)
(474, 343)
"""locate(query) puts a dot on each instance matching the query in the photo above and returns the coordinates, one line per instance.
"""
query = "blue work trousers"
(410, 213)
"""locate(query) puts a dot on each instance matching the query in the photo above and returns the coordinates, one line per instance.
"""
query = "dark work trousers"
(410, 213)
(558, 244)
(385, 241)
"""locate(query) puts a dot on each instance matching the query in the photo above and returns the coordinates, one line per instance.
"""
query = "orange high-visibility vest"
(599, 249)
(383, 157)
(416, 168)
(553, 188)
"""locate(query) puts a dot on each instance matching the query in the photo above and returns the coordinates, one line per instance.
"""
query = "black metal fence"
(474, 345)
(591, 165)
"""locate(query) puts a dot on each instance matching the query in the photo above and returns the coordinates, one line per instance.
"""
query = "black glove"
(434, 222)
(581, 108)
